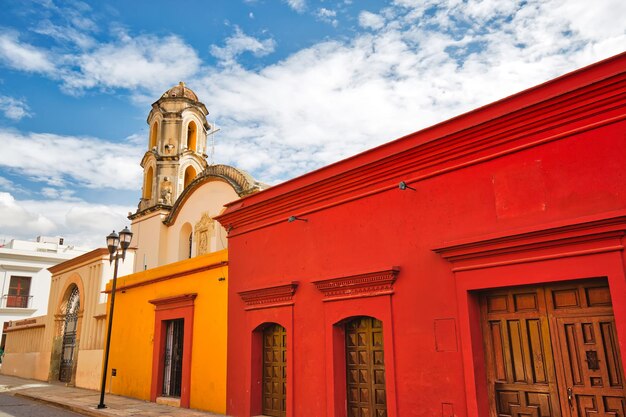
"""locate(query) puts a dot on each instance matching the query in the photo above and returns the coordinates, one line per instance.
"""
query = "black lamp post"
(114, 243)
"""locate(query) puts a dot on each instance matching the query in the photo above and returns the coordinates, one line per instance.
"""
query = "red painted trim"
(170, 308)
(256, 321)
(335, 315)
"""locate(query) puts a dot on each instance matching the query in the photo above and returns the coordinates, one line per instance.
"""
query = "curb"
(76, 409)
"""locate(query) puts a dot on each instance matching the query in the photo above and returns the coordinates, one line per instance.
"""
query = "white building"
(24, 276)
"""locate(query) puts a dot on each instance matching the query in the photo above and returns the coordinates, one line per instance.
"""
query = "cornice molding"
(242, 184)
(369, 284)
(280, 295)
(94, 255)
(527, 119)
(164, 276)
(590, 235)
(162, 208)
(177, 301)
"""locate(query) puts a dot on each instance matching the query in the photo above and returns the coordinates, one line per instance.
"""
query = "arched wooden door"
(69, 336)
(365, 368)
(274, 371)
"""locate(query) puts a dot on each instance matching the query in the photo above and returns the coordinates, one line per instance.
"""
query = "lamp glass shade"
(113, 240)
(125, 236)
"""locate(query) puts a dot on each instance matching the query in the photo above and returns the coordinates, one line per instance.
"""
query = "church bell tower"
(176, 147)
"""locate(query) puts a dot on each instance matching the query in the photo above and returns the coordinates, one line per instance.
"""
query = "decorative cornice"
(572, 104)
(369, 284)
(167, 277)
(242, 183)
(94, 255)
(149, 210)
(280, 295)
(589, 235)
(177, 301)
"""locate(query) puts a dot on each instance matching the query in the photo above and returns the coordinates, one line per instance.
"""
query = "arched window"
(184, 242)
(192, 134)
(190, 175)
(147, 184)
(153, 135)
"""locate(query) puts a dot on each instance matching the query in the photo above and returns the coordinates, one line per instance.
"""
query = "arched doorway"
(274, 387)
(365, 368)
(70, 327)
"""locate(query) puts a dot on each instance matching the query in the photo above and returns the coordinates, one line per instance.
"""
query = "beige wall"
(149, 234)
(33, 350)
(23, 351)
(158, 244)
(209, 198)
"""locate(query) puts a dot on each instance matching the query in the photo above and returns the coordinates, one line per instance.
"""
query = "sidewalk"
(84, 401)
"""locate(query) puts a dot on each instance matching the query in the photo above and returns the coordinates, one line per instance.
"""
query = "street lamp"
(114, 243)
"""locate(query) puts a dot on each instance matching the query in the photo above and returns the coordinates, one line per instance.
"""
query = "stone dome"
(180, 91)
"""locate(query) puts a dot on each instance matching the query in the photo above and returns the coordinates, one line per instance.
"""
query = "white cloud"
(298, 5)
(62, 160)
(6, 184)
(74, 220)
(65, 34)
(239, 43)
(13, 108)
(16, 220)
(432, 60)
(327, 15)
(22, 56)
(371, 20)
(142, 62)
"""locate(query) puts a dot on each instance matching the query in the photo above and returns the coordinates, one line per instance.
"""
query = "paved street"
(11, 406)
(17, 394)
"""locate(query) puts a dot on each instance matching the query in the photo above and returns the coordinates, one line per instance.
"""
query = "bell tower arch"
(176, 147)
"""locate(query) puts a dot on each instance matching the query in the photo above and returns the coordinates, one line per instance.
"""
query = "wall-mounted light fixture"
(292, 219)
(403, 186)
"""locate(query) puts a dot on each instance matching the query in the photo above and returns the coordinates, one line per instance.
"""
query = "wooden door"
(592, 376)
(552, 351)
(274, 371)
(365, 368)
(520, 362)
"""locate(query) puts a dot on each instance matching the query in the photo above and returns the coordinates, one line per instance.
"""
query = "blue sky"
(292, 84)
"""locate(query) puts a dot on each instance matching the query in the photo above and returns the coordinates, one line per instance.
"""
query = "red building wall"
(528, 190)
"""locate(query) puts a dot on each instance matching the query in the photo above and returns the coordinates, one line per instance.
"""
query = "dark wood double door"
(552, 351)
(365, 368)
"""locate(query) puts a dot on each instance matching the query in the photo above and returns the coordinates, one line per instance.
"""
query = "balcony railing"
(16, 301)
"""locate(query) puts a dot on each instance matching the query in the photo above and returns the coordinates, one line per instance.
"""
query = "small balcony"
(16, 301)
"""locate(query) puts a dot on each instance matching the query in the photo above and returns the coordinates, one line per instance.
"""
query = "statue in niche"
(166, 191)
(203, 232)
(169, 147)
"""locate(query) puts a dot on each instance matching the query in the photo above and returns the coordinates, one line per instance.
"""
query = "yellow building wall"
(132, 336)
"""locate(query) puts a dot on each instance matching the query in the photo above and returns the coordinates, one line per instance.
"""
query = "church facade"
(168, 340)
(474, 268)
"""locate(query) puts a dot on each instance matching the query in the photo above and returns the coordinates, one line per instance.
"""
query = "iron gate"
(173, 363)
(69, 336)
